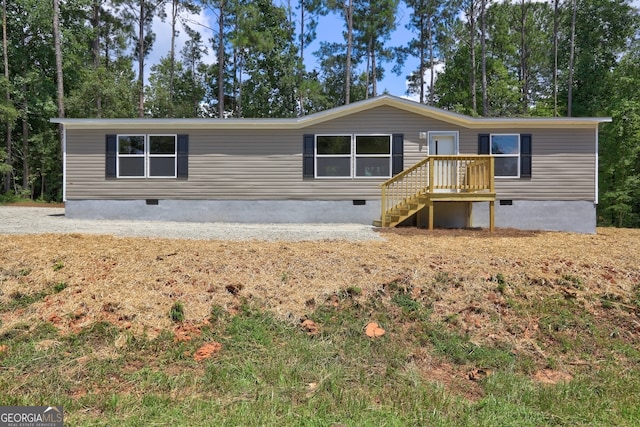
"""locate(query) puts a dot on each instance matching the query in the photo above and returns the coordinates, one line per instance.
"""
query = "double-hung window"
(506, 150)
(349, 156)
(373, 155)
(333, 156)
(146, 156)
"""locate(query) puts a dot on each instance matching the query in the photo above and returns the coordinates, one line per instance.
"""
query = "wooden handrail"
(462, 173)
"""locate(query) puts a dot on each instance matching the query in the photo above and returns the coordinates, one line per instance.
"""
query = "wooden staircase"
(403, 211)
(437, 179)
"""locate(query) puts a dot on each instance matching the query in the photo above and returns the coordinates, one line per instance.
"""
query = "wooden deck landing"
(437, 179)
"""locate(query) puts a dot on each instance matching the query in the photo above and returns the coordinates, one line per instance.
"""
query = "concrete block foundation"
(235, 211)
(572, 216)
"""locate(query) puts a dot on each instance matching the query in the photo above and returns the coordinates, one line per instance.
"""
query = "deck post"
(430, 207)
(383, 214)
(492, 209)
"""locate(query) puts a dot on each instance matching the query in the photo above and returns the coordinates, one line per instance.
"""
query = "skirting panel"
(239, 211)
(572, 216)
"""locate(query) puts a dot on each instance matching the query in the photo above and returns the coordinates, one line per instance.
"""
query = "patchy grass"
(534, 329)
(270, 372)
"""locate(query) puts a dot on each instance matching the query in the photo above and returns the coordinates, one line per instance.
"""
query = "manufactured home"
(385, 160)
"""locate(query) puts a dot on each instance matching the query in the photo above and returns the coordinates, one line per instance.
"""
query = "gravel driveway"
(36, 220)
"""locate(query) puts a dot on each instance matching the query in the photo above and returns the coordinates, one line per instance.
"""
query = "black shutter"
(111, 149)
(397, 153)
(308, 149)
(525, 156)
(484, 143)
(183, 157)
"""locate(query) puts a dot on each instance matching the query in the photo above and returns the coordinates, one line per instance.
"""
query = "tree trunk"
(367, 72)
(555, 57)
(5, 50)
(472, 53)
(221, 60)
(95, 50)
(483, 47)
(571, 58)
(141, 59)
(432, 62)
(172, 54)
(300, 94)
(347, 71)
(58, 53)
(25, 146)
(374, 74)
(524, 60)
(60, 78)
(422, 68)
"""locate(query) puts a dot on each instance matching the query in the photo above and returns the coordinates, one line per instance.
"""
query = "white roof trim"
(334, 113)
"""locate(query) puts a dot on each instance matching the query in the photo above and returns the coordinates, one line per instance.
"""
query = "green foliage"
(107, 92)
(176, 313)
(620, 157)
(270, 87)
(405, 302)
(218, 313)
(178, 89)
(570, 280)
(59, 287)
(19, 300)
(353, 291)
(460, 350)
(502, 283)
(636, 292)
(4, 167)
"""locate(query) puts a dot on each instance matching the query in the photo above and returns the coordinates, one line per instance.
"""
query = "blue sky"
(329, 29)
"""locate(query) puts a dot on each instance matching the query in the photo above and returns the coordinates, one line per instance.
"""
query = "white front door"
(445, 171)
(443, 143)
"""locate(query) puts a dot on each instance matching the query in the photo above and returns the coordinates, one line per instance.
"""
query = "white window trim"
(156, 156)
(517, 156)
(130, 156)
(368, 156)
(328, 156)
(147, 156)
(353, 156)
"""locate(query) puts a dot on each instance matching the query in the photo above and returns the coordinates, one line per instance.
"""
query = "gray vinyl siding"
(563, 167)
(267, 164)
(232, 165)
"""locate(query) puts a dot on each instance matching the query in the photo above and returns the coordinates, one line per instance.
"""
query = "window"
(146, 156)
(373, 155)
(333, 156)
(162, 156)
(347, 156)
(512, 153)
(506, 150)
